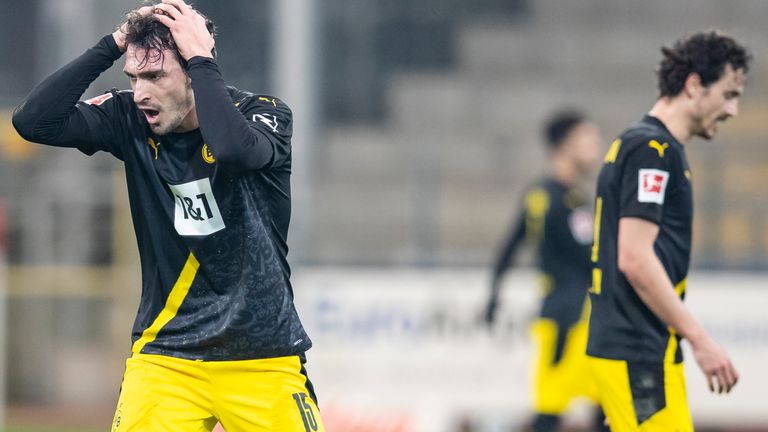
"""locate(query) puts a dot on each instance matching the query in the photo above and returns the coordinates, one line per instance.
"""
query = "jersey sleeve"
(53, 115)
(93, 126)
(527, 228)
(242, 135)
(645, 180)
(507, 251)
(271, 119)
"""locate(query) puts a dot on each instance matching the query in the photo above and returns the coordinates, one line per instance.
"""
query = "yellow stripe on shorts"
(175, 298)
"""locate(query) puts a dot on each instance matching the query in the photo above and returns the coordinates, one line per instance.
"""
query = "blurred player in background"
(556, 219)
(208, 171)
(644, 212)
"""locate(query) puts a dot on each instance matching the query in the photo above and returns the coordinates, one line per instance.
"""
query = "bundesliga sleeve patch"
(652, 185)
(98, 100)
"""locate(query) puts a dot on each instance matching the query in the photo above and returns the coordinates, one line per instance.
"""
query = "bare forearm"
(649, 279)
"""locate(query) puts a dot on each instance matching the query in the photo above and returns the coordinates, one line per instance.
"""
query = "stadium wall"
(404, 351)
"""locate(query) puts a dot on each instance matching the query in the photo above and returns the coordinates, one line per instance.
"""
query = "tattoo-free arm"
(646, 274)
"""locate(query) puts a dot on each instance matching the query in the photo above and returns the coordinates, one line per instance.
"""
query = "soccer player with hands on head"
(216, 337)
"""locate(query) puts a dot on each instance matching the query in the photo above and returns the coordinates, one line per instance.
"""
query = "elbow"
(629, 263)
(240, 160)
(246, 155)
(24, 123)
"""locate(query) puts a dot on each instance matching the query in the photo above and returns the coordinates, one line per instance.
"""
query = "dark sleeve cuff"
(201, 61)
(108, 44)
(654, 219)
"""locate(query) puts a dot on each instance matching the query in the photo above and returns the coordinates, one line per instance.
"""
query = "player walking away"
(644, 211)
(557, 220)
(207, 166)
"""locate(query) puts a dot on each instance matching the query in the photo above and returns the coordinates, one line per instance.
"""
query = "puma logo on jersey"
(265, 118)
(154, 146)
(661, 148)
(265, 99)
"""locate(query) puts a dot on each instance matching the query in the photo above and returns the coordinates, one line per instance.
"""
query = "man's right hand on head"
(119, 34)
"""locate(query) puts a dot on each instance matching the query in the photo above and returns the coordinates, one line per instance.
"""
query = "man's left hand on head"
(187, 27)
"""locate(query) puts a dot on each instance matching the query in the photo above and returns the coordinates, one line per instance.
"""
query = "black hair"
(703, 53)
(559, 125)
(145, 32)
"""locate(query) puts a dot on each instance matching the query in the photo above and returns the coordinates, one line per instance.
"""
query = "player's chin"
(708, 134)
(159, 128)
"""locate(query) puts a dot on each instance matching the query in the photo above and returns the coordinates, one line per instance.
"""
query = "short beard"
(171, 126)
(176, 121)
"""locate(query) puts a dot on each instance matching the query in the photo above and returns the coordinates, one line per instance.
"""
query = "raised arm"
(234, 140)
(51, 113)
(261, 139)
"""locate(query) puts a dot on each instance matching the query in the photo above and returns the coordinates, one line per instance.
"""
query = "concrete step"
(532, 52)
(362, 154)
(405, 157)
(455, 104)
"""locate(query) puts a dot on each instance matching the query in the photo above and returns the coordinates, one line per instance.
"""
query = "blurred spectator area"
(436, 179)
(430, 113)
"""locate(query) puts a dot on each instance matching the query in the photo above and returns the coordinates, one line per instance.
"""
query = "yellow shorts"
(557, 382)
(643, 397)
(166, 394)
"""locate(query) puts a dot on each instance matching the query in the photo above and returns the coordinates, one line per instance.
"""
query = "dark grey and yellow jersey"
(557, 221)
(645, 176)
(210, 208)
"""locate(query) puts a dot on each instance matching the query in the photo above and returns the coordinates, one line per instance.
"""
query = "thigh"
(549, 396)
(160, 394)
(558, 381)
(675, 416)
(642, 397)
(265, 395)
(612, 380)
(576, 374)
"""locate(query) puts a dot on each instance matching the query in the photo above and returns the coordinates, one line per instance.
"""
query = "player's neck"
(675, 117)
(564, 170)
(189, 123)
